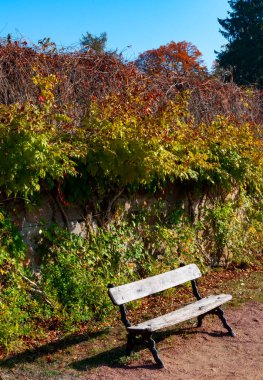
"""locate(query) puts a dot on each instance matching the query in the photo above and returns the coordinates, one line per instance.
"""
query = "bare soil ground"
(188, 352)
(203, 354)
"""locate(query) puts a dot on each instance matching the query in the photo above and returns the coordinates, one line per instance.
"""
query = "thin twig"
(36, 289)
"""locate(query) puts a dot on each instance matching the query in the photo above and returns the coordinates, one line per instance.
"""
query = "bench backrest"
(142, 288)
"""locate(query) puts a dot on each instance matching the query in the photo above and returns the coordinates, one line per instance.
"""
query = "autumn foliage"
(87, 127)
(179, 58)
(161, 118)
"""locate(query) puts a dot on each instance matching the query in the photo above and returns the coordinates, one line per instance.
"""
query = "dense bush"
(83, 76)
(117, 146)
(167, 145)
(19, 308)
(37, 142)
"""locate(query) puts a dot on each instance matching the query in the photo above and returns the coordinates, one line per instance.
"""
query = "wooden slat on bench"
(185, 313)
(142, 288)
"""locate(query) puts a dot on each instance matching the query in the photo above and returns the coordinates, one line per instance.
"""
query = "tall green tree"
(244, 51)
(95, 43)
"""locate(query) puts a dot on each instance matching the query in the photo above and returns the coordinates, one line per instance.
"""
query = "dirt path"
(202, 354)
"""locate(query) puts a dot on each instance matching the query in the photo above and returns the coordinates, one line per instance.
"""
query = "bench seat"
(183, 314)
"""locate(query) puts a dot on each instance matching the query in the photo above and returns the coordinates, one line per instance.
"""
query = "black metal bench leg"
(130, 344)
(200, 320)
(152, 347)
(220, 314)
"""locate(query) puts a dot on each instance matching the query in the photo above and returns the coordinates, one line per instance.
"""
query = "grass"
(245, 286)
(247, 289)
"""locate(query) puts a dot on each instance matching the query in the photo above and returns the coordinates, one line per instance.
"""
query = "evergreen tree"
(243, 54)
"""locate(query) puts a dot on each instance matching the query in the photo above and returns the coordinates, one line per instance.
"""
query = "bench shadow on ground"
(30, 355)
(115, 357)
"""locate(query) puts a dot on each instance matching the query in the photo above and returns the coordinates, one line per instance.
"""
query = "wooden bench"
(142, 288)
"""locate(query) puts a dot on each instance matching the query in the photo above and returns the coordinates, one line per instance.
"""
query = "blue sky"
(139, 24)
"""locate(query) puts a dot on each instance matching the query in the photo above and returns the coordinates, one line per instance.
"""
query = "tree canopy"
(176, 57)
(244, 51)
(95, 43)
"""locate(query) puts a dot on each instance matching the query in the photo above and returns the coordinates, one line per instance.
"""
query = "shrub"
(37, 142)
(19, 306)
(136, 151)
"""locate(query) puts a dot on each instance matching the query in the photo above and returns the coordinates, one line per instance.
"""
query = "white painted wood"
(142, 288)
(183, 314)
